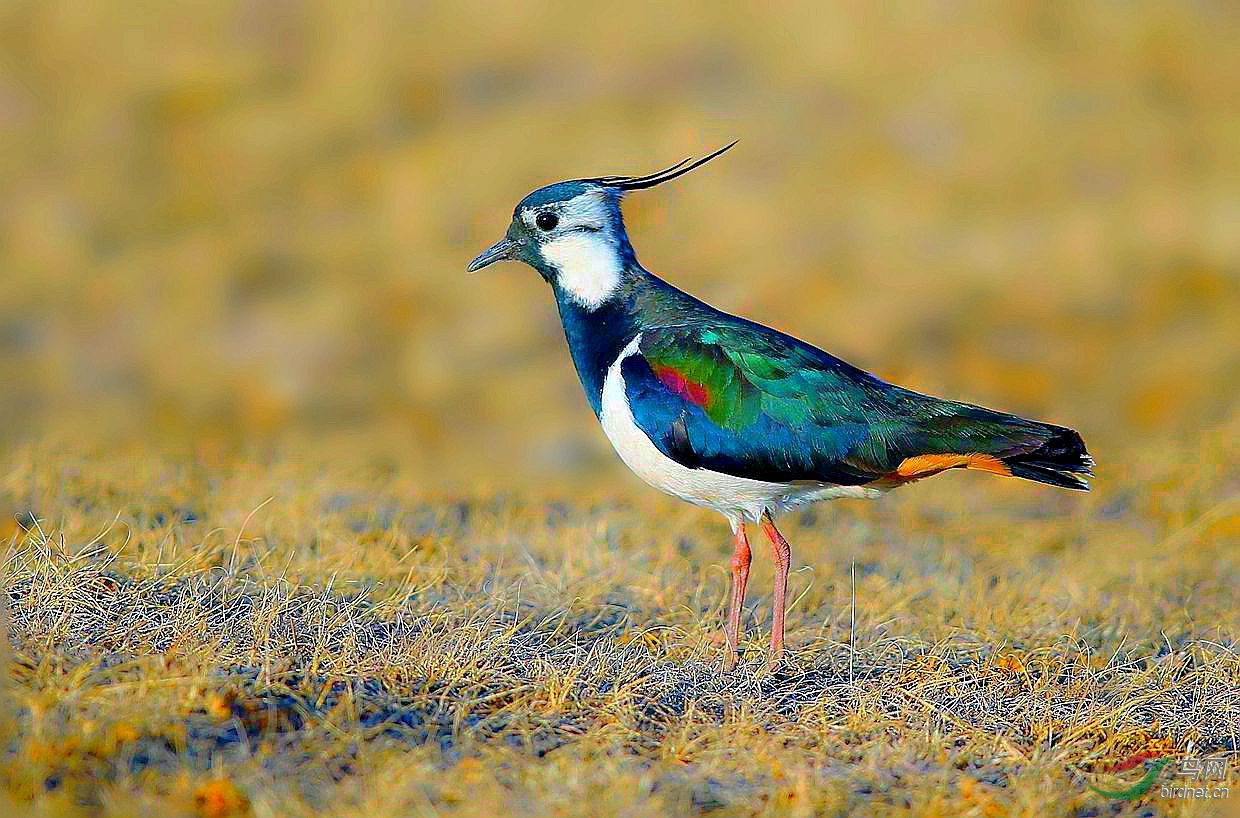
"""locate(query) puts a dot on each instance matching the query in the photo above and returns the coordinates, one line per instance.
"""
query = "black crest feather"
(659, 177)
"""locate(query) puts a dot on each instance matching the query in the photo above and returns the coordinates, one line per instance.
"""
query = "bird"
(735, 416)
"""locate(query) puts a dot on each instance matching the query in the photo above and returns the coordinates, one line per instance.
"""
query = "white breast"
(734, 497)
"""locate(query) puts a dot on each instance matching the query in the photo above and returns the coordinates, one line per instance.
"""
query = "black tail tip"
(1061, 461)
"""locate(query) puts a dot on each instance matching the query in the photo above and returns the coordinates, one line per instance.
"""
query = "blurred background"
(234, 233)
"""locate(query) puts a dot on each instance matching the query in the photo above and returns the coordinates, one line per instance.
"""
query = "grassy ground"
(299, 520)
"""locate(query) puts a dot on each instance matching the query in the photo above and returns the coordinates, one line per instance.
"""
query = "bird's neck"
(605, 298)
(597, 333)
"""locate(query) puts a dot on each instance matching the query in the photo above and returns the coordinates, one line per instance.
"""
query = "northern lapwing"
(733, 415)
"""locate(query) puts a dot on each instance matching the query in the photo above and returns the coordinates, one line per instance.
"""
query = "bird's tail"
(1061, 461)
(954, 435)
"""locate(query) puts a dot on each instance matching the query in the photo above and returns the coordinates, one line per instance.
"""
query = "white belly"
(736, 498)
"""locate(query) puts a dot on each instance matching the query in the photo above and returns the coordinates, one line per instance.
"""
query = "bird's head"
(573, 234)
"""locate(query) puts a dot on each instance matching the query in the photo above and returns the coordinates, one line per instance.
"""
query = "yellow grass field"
(299, 520)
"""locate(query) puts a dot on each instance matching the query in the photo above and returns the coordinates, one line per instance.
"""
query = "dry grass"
(555, 656)
(298, 520)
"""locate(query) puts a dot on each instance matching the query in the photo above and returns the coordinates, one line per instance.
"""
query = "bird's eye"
(546, 221)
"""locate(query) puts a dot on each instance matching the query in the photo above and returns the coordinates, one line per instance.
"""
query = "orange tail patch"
(924, 465)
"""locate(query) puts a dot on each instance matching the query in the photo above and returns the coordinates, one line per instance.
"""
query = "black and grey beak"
(499, 251)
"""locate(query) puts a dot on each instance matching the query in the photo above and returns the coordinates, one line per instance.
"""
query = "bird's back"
(717, 391)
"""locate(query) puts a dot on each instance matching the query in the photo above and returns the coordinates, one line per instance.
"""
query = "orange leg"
(740, 578)
(782, 555)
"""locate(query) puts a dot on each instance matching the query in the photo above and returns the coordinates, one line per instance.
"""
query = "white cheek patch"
(589, 267)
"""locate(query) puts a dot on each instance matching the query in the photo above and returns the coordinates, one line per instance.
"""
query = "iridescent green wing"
(750, 401)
